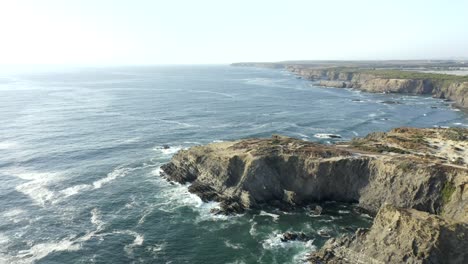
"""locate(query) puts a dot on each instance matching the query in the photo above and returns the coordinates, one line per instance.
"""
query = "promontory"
(414, 181)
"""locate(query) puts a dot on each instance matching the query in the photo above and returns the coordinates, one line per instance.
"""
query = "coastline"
(381, 78)
(411, 178)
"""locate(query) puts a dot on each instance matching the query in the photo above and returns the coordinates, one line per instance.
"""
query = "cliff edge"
(424, 170)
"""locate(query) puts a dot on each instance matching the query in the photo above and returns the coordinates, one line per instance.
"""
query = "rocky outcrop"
(421, 170)
(336, 84)
(399, 236)
(406, 167)
(454, 88)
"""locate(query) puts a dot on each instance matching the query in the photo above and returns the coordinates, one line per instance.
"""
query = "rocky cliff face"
(406, 167)
(420, 169)
(344, 78)
(400, 236)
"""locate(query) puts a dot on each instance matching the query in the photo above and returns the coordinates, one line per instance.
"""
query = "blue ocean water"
(80, 151)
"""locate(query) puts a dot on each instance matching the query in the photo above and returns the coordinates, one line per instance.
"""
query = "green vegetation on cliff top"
(399, 74)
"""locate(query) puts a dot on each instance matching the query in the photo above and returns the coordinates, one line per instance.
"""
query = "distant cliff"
(380, 80)
(391, 81)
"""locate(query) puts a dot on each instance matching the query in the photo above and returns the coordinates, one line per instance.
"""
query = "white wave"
(131, 140)
(229, 244)
(157, 171)
(366, 216)
(236, 262)
(41, 250)
(343, 211)
(273, 241)
(215, 93)
(192, 142)
(13, 212)
(168, 151)
(177, 123)
(145, 215)
(324, 231)
(4, 239)
(325, 135)
(217, 141)
(138, 240)
(274, 216)
(36, 186)
(96, 219)
(71, 243)
(111, 176)
(116, 173)
(70, 191)
(8, 145)
(156, 248)
(176, 195)
(302, 135)
(355, 133)
(302, 257)
(15, 215)
(253, 229)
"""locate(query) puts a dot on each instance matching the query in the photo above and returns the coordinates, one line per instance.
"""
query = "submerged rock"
(317, 210)
(289, 236)
(390, 102)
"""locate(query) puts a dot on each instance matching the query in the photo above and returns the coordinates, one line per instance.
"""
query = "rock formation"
(438, 85)
(380, 77)
(399, 236)
(420, 169)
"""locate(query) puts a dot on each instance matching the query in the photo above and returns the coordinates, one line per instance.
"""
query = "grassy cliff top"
(402, 74)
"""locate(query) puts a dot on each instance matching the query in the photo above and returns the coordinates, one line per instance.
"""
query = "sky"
(119, 32)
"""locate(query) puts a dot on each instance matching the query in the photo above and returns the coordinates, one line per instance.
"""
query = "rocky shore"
(412, 179)
(380, 80)
(454, 88)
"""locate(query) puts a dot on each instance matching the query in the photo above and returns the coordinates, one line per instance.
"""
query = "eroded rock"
(400, 236)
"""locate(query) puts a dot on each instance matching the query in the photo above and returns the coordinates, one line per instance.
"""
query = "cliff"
(406, 167)
(399, 236)
(441, 86)
(420, 169)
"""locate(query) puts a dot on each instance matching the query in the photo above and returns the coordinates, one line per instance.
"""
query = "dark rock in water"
(334, 136)
(360, 210)
(348, 229)
(390, 102)
(317, 210)
(323, 233)
(356, 100)
(205, 192)
(434, 107)
(166, 147)
(289, 236)
(298, 77)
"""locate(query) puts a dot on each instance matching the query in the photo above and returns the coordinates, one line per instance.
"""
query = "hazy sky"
(217, 31)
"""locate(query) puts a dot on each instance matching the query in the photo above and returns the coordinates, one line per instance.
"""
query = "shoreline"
(379, 80)
(410, 178)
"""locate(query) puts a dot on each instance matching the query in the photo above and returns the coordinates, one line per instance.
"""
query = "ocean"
(81, 150)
